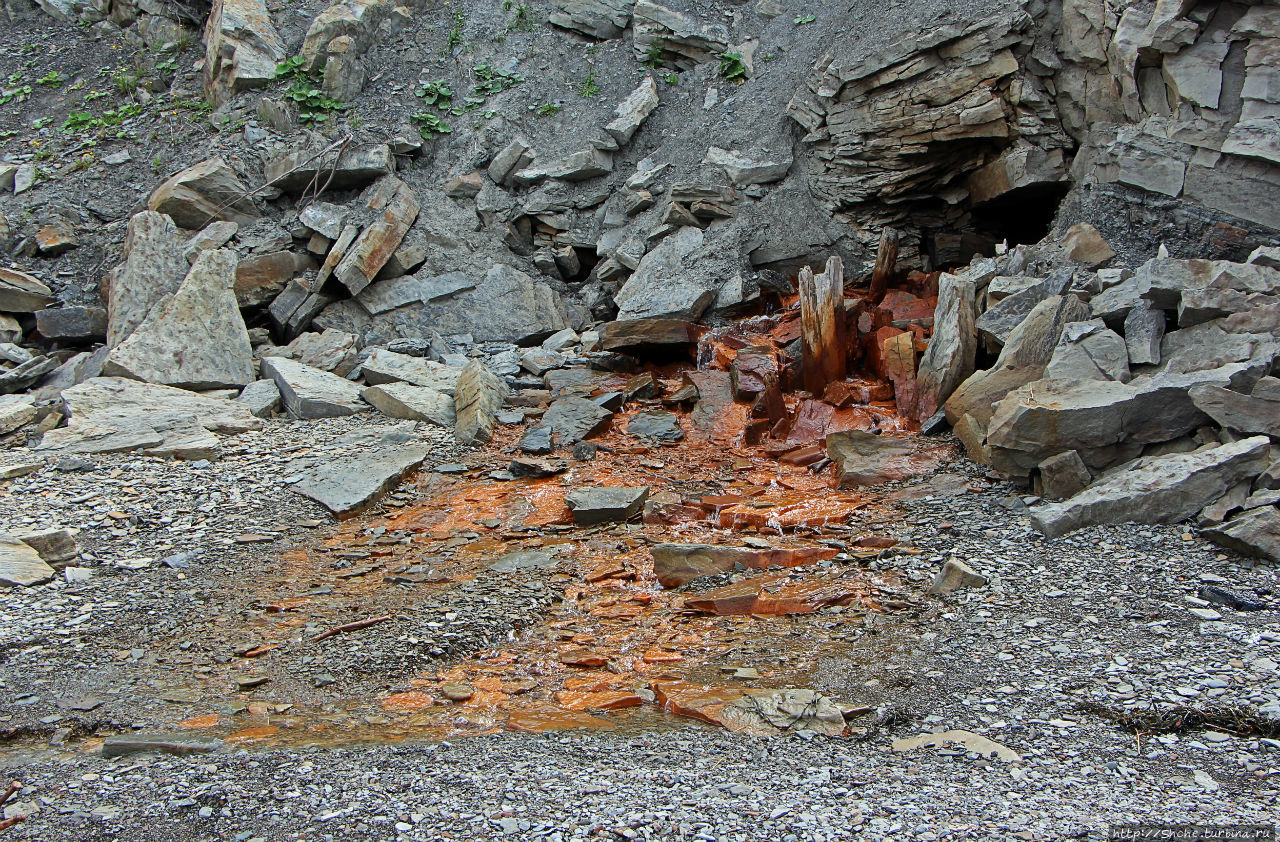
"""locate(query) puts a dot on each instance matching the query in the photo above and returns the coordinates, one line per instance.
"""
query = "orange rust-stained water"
(617, 650)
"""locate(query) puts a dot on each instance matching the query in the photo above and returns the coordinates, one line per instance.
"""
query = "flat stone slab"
(678, 564)
(347, 485)
(655, 425)
(310, 392)
(383, 366)
(159, 743)
(863, 458)
(415, 403)
(20, 564)
(573, 419)
(604, 504)
(1163, 489)
(527, 560)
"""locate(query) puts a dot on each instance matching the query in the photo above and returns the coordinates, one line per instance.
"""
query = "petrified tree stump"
(824, 347)
(886, 260)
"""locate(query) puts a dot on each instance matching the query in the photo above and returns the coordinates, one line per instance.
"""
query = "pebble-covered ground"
(1108, 618)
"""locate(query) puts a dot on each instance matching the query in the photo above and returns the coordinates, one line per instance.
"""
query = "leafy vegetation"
(436, 94)
(429, 125)
(732, 67)
(522, 20)
(314, 105)
(494, 80)
(546, 110)
(454, 38)
(52, 79)
(16, 91)
(653, 57)
(590, 86)
(803, 19)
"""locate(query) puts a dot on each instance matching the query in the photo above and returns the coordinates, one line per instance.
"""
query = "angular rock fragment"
(197, 338)
(350, 167)
(383, 366)
(949, 359)
(863, 458)
(1252, 533)
(242, 48)
(679, 37)
(744, 170)
(56, 546)
(1163, 489)
(479, 395)
(16, 411)
(1143, 330)
(1239, 412)
(72, 324)
(1064, 475)
(601, 19)
(956, 575)
(20, 565)
(178, 744)
(22, 293)
(605, 504)
(152, 271)
(632, 111)
(395, 208)
(311, 392)
(1089, 351)
(415, 403)
(262, 397)
(571, 419)
(261, 277)
(649, 335)
(203, 193)
(666, 285)
(678, 564)
(655, 425)
(347, 485)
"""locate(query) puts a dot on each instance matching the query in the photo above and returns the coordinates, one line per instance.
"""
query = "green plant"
(292, 68)
(41, 123)
(545, 110)
(314, 105)
(436, 93)
(804, 19)
(590, 86)
(92, 95)
(125, 80)
(522, 21)
(454, 38)
(195, 104)
(494, 80)
(429, 125)
(52, 79)
(653, 56)
(732, 67)
(18, 93)
(672, 78)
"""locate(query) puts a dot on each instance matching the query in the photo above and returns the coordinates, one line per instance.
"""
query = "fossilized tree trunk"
(822, 326)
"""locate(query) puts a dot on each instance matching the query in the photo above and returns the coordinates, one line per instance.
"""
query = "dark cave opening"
(1022, 216)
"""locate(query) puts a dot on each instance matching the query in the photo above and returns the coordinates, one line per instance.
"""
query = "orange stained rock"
(487, 700)
(539, 718)
(696, 700)
(408, 700)
(604, 700)
(770, 595)
(582, 657)
(661, 656)
(594, 682)
(290, 604)
(197, 723)
(259, 733)
(790, 510)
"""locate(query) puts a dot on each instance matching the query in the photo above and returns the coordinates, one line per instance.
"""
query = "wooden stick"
(356, 626)
(822, 328)
(13, 789)
(886, 260)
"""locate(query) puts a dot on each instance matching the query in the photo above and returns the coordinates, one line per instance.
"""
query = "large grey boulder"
(261, 396)
(1163, 489)
(681, 38)
(22, 293)
(197, 338)
(1089, 351)
(1162, 283)
(1027, 350)
(344, 168)
(312, 392)
(1000, 320)
(415, 403)
(242, 48)
(949, 359)
(407, 290)
(506, 305)
(1255, 533)
(1247, 414)
(572, 419)
(479, 395)
(667, 284)
(1104, 421)
(203, 193)
(347, 485)
(632, 111)
(152, 271)
(863, 458)
(383, 366)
